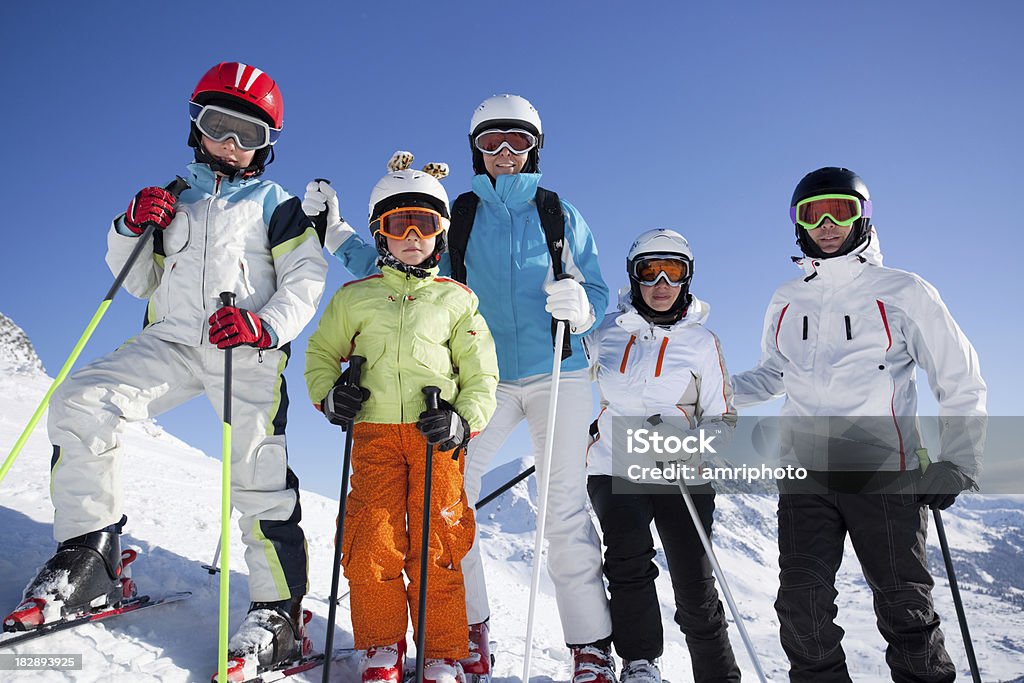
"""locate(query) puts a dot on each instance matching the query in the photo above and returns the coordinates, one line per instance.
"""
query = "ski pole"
(957, 602)
(226, 299)
(706, 542)
(431, 394)
(542, 494)
(176, 187)
(355, 366)
(212, 568)
(505, 487)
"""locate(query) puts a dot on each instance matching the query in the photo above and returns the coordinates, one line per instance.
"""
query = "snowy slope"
(173, 510)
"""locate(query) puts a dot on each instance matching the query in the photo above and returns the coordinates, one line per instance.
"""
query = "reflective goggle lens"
(219, 124)
(648, 271)
(517, 141)
(842, 209)
(397, 223)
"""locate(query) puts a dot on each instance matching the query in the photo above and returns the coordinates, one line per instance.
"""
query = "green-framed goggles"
(842, 209)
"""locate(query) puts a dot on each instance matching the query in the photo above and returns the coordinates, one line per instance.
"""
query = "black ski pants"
(888, 532)
(625, 515)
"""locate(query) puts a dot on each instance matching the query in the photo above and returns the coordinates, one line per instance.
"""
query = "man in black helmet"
(842, 343)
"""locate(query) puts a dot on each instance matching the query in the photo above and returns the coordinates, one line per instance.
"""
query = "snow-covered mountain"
(172, 499)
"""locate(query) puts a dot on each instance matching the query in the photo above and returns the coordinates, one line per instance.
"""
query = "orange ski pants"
(383, 533)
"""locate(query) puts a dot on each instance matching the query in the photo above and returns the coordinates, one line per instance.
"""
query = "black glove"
(940, 484)
(343, 402)
(443, 427)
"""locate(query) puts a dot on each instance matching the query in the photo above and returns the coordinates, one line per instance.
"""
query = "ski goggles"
(674, 271)
(219, 124)
(842, 209)
(515, 140)
(398, 223)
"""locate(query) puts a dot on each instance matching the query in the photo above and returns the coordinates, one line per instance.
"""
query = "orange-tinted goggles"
(397, 223)
(648, 271)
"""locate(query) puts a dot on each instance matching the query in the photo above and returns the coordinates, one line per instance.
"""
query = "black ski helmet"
(831, 180)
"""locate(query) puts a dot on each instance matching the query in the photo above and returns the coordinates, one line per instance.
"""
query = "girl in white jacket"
(658, 366)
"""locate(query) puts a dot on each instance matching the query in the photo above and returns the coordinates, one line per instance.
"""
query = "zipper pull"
(259, 355)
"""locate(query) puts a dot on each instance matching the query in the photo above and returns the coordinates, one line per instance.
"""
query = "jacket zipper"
(206, 242)
(398, 351)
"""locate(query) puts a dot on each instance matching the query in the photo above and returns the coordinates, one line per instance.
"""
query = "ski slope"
(173, 508)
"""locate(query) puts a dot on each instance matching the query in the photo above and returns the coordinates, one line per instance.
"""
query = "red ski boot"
(477, 666)
(591, 664)
(383, 664)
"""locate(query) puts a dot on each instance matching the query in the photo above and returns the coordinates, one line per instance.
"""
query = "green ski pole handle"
(226, 299)
(176, 187)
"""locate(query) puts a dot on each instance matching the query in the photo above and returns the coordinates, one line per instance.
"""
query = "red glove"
(231, 327)
(151, 205)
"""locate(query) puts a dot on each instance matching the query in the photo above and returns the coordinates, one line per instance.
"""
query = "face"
(660, 296)
(413, 250)
(504, 163)
(226, 152)
(829, 236)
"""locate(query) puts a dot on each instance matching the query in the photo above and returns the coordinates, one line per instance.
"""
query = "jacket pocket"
(178, 234)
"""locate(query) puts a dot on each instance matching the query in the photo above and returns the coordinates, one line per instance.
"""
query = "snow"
(173, 508)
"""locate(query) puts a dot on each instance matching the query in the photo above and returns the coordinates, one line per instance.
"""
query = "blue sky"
(695, 116)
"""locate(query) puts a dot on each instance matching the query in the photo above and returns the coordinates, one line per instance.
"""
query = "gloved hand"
(940, 484)
(666, 429)
(443, 427)
(343, 402)
(567, 300)
(321, 204)
(150, 205)
(231, 327)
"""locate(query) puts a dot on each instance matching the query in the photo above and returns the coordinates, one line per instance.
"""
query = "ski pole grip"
(320, 220)
(432, 394)
(227, 299)
(355, 369)
(564, 276)
(177, 186)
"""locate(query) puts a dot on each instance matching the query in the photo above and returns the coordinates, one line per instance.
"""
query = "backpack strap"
(463, 214)
(552, 220)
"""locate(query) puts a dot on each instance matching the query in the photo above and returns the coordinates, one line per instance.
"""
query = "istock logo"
(645, 441)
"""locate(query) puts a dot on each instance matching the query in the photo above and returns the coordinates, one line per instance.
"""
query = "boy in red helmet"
(228, 231)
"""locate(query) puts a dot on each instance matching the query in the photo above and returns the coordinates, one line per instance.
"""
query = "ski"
(296, 666)
(130, 605)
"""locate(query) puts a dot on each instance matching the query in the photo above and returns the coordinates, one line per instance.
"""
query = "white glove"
(567, 300)
(320, 196)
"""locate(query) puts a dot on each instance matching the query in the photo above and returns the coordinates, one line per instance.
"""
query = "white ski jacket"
(643, 370)
(246, 236)
(843, 343)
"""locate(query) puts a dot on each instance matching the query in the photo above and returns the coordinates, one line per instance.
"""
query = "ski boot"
(86, 573)
(383, 664)
(640, 671)
(272, 634)
(593, 664)
(477, 666)
(443, 671)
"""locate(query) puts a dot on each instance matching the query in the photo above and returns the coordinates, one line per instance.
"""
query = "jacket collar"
(510, 190)
(402, 282)
(203, 178)
(632, 322)
(843, 269)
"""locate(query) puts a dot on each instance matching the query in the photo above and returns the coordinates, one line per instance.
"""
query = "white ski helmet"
(665, 243)
(504, 112)
(409, 188)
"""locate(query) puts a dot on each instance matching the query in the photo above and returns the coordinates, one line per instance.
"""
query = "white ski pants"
(147, 376)
(574, 549)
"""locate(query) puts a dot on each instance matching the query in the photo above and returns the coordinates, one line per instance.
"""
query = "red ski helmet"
(246, 83)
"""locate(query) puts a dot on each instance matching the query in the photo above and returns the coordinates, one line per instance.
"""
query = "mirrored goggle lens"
(397, 224)
(220, 124)
(843, 210)
(517, 141)
(650, 270)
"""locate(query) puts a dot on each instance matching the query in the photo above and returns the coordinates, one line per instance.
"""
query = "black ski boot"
(271, 634)
(84, 574)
